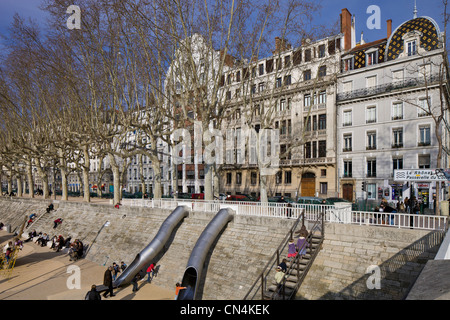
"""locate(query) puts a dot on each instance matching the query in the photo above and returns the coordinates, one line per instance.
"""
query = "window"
(348, 86)
(279, 64)
(323, 172)
(253, 72)
(278, 177)
(269, 66)
(371, 168)
(253, 178)
(261, 69)
(238, 76)
(228, 95)
(314, 122)
(347, 142)
(397, 75)
(261, 86)
(371, 191)
(282, 104)
(229, 79)
(307, 123)
(322, 51)
(253, 89)
(397, 111)
(283, 128)
(322, 97)
(322, 121)
(238, 177)
(314, 149)
(347, 168)
(347, 121)
(287, 80)
(424, 161)
(322, 71)
(297, 58)
(411, 47)
(307, 100)
(371, 81)
(348, 64)
(322, 149)
(323, 188)
(424, 135)
(371, 58)
(306, 75)
(397, 164)
(307, 55)
(371, 114)
(278, 83)
(308, 150)
(371, 140)
(397, 135)
(287, 177)
(423, 107)
(287, 61)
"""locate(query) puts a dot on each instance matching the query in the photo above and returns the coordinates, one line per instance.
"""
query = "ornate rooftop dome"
(429, 38)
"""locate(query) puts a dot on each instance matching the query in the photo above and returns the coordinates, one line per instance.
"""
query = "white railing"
(400, 220)
(333, 214)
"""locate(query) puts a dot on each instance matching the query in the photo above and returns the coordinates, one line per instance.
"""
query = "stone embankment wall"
(233, 264)
(353, 256)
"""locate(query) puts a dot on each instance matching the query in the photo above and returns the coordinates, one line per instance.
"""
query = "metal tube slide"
(146, 256)
(196, 261)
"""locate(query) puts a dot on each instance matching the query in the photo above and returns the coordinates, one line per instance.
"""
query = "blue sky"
(397, 10)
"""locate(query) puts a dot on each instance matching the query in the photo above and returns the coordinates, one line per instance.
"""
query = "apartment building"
(388, 96)
(292, 91)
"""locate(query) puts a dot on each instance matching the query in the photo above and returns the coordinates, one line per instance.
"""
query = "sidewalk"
(41, 274)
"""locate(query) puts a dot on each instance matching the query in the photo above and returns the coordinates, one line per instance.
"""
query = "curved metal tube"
(196, 261)
(145, 257)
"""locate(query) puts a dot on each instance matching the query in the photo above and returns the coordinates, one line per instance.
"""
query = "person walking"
(134, 281)
(150, 272)
(108, 282)
(93, 294)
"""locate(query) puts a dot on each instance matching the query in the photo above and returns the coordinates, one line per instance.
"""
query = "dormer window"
(348, 64)
(411, 47)
(371, 57)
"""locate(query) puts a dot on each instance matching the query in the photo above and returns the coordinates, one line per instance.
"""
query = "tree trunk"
(19, 186)
(86, 168)
(116, 179)
(30, 180)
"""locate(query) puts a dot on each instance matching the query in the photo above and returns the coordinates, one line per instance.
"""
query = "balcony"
(371, 148)
(397, 145)
(386, 88)
(348, 149)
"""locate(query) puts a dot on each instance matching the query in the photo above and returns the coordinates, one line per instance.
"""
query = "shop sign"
(420, 175)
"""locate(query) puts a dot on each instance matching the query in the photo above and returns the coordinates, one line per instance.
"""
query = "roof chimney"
(346, 28)
(389, 28)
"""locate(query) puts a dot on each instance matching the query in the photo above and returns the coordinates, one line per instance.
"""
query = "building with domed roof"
(390, 97)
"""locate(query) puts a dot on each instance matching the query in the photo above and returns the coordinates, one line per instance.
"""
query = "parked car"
(277, 199)
(311, 200)
(184, 195)
(222, 196)
(238, 197)
(199, 196)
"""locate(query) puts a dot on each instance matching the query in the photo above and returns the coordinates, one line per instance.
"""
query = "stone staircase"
(297, 270)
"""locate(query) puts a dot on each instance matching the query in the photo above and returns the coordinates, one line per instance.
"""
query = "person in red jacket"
(150, 272)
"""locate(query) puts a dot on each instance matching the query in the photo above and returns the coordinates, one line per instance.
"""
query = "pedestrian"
(8, 254)
(283, 265)
(292, 251)
(57, 222)
(279, 277)
(116, 271)
(108, 282)
(123, 266)
(302, 244)
(150, 272)
(134, 281)
(93, 294)
(178, 287)
(406, 203)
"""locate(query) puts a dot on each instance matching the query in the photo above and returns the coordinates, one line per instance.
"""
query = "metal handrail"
(261, 279)
(298, 258)
(273, 258)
